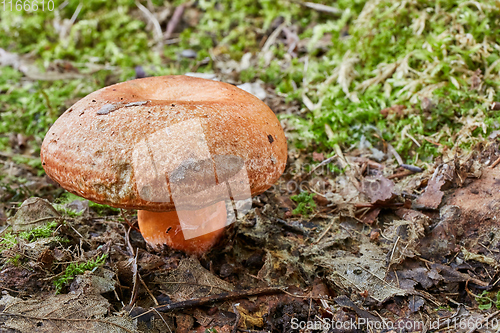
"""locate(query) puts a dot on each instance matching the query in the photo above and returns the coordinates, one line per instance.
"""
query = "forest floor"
(386, 218)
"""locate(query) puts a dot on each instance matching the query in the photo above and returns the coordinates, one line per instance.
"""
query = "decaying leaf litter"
(368, 238)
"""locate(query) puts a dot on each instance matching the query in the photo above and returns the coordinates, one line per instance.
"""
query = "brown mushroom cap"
(102, 147)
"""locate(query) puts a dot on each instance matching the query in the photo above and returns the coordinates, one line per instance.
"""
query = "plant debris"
(389, 208)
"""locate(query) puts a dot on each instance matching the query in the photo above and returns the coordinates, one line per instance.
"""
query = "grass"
(438, 60)
(9, 239)
(74, 269)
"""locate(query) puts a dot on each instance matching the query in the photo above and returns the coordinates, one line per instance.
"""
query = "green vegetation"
(210, 330)
(15, 260)
(39, 232)
(434, 62)
(67, 198)
(485, 301)
(75, 269)
(67, 211)
(9, 239)
(305, 203)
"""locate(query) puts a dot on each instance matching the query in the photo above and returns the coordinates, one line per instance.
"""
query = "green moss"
(39, 232)
(429, 57)
(10, 239)
(74, 269)
(7, 241)
(305, 203)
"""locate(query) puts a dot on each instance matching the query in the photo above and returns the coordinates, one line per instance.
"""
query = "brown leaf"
(46, 258)
(191, 280)
(69, 313)
(370, 217)
(377, 188)
(33, 212)
(432, 196)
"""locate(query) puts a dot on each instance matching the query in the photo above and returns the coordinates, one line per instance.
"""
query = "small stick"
(328, 160)
(401, 174)
(326, 230)
(237, 321)
(147, 289)
(127, 221)
(218, 298)
(135, 289)
(495, 163)
(41, 220)
(174, 21)
(163, 320)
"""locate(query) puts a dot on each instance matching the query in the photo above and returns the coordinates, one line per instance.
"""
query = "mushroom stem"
(160, 228)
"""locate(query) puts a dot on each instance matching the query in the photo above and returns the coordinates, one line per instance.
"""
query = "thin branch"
(174, 21)
(237, 321)
(218, 298)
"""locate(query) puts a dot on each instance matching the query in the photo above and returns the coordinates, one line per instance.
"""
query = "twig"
(174, 21)
(319, 7)
(147, 289)
(218, 298)
(66, 319)
(392, 253)
(8, 155)
(335, 219)
(135, 289)
(272, 38)
(328, 160)
(79, 234)
(495, 163)
(127, 241)
(159, 314)
(128, 222)
(47, 100)
(237, 321)
(391, 150)
(196, 284)
(401, 174)
(41, 220)
(157, 28)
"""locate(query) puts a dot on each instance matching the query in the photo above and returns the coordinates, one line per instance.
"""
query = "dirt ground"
(381, 250)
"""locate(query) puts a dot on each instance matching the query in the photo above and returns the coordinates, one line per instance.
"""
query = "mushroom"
(188, 153)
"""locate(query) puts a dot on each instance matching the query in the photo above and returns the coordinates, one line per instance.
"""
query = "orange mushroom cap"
(163, 144)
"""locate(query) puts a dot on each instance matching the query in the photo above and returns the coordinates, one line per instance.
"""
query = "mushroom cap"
(147, 143)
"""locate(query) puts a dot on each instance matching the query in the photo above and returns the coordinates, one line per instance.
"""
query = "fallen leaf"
(34, 212)
(191, 280)
(377, 188)
(67, 313)
(365, 271)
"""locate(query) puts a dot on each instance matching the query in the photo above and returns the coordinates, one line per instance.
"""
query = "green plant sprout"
(74, 269)
(305, 203)
(485, 302)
